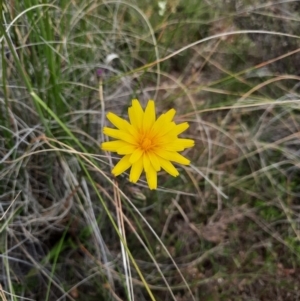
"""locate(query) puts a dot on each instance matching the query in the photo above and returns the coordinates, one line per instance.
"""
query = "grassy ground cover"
(227, 228)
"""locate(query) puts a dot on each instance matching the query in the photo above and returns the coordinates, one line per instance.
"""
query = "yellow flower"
(146, 143)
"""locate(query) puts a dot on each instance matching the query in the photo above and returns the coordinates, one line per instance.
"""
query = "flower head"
(146, 143)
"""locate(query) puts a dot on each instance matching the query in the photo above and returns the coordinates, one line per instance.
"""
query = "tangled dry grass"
(227, 228)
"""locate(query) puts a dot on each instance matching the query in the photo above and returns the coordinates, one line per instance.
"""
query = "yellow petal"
(162, 121)
(165, 139)
(112, 132)
(172, 147)
(185, 142)
(164, 124)
(121, 123)
(146, 162)
(136, 114)
(172, 156)
(154, 161)
(118, 134)
(151, 176)
(178, 145)
(131, 117)
(137, 154)
(116, 120)
(181, 127)
(136, 171)
(149, 116)
(170, 115)
(121, 166)
(168, 167)
(125, 150)
(159, 130)
(113, 146)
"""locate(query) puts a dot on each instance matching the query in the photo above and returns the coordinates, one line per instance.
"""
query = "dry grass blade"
(125, 257)
(2, 294)
(11, 204)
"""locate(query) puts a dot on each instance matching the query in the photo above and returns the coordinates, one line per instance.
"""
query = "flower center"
(146, 143)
